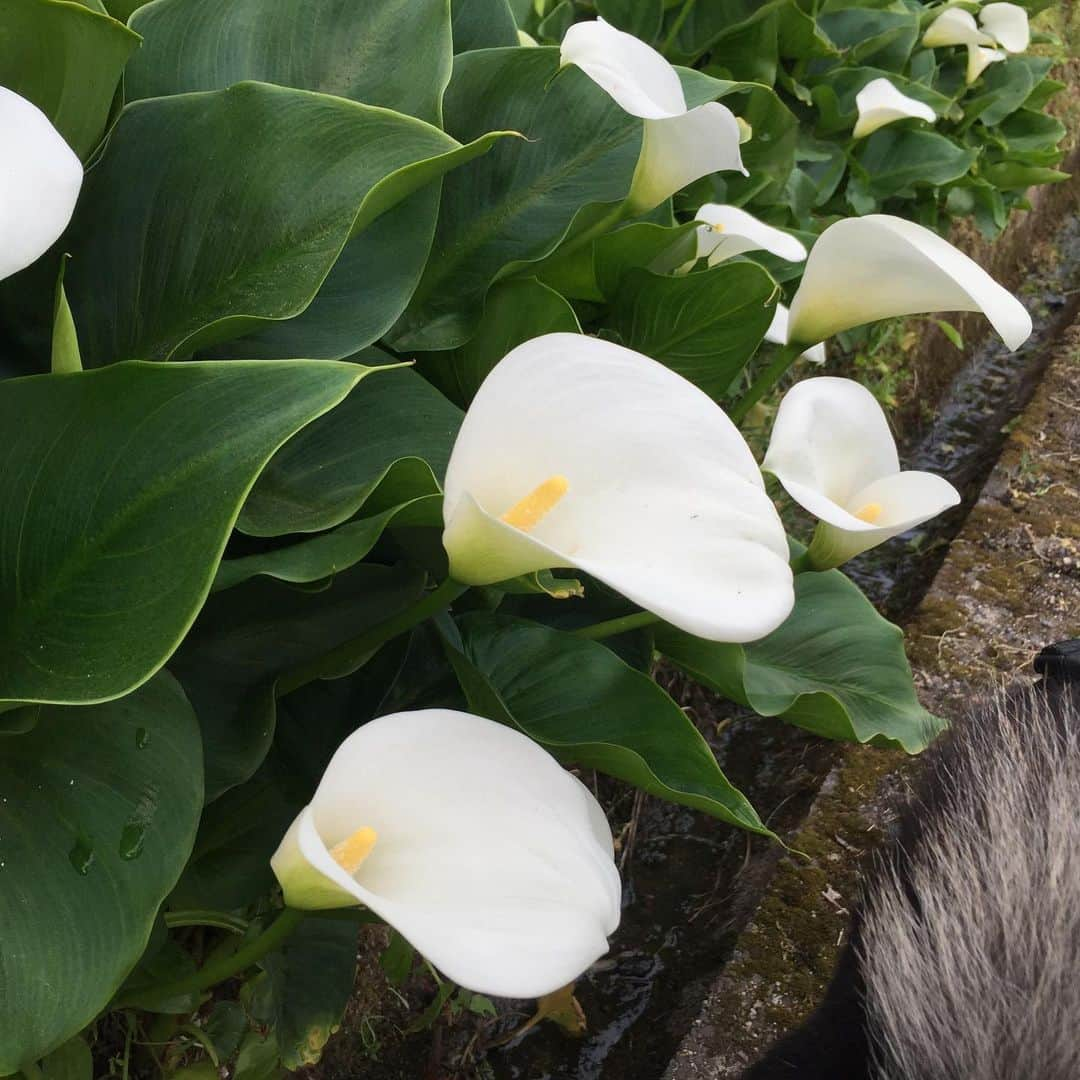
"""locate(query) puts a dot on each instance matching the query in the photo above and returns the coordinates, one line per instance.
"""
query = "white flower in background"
(40, 177)
(467, 838)
(778, 335)
(577, 452)
(832, 450)
(728, 231)
(954, 26)
(1008, 25)
(880, 103)
(878, 266)
(679, 145)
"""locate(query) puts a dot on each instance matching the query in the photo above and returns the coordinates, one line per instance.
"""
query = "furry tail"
(964, 962)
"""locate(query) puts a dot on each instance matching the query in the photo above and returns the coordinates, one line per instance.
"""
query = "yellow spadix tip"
(354, 849)
(869, 513)
(530, 511)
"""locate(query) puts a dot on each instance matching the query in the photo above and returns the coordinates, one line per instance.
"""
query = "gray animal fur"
(970, 949)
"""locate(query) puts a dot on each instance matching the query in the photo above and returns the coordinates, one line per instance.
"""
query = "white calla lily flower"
(979, 59)
(679, 145)
(955, 26)
(1008, 25)
(729, 231)
(467, 838)
(880, 103)
(40, 178)
(832, 450)
(577, 452)
(778, 335)
(878, 266)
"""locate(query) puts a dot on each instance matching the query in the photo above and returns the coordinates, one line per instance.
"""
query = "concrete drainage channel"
(725, 942)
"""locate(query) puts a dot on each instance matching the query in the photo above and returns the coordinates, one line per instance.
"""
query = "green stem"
(765, 381)
(353, 652)
(617, 626)
(801, 564)
(219, 970)
(220, 920)
(676, 26)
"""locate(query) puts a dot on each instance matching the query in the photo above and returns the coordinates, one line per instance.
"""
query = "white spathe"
(478, 847)
(880, 103)
(979, 59)
(1008, 25)
(40, 177)
(729, 231)
(778, 335)
(878, 266)
(679, 145)
(832, 450)
(955, 26)
(658, 494)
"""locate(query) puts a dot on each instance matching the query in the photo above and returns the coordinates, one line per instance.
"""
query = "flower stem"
(617, 626)
(219, 970)
(765, 381)
(221, 920)
(676, 26)
(352, 653)
(801, 564)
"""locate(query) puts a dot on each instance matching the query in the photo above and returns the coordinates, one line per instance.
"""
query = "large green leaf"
(516, 204)
(706, 325)
(579, 700)
(895, 159)
(196, 227)
(835, 667)
(97, 819)
(246, 637)
(516, 311)
(67, 60)
(396, 439)
(119, 489)
(482, 24)
(394, 53)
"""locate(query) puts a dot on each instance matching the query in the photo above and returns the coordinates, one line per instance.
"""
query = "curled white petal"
(955, 26)
(729, 231)
(778, 335)
(832, 451)
(879, 266)
(40, 178)
(663, 502)
(491, 859)
(679, 150)
(880, 103)
(1008, 25)
(633, 73)
(979, 59)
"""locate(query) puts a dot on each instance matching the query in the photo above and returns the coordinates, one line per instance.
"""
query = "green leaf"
(117, 502)
(225, 1027)
(65, 339)
(1005, 87)
(516, 311)
(393, 53)
(515, 205)
(97, 818)
(482, 24)
(834, 95)
(708, 23)
(1015, 176)
(313, 977)
(581, 702)
(67, 60)
(246, 637)
(396, 960)
(885, 36)
(895, 159)
(705, 325)
(642, 245)
(835, 667)
(393, 443)
(642, 18)
(185, 168)
(70, 1061)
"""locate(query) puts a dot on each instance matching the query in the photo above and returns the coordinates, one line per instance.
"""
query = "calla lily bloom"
(832, 450)
(40, 177)
(577, 452)
(954, 26)
(1008, 25)
(778, 335)
(880, 103)
(729, 231)
(878, 266)
(680, 145)
(470, 840)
